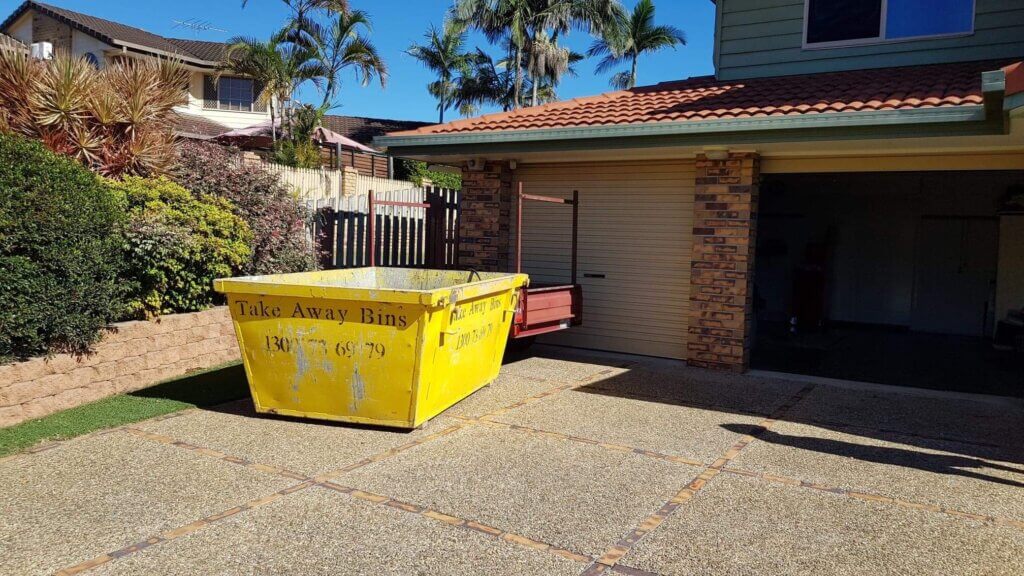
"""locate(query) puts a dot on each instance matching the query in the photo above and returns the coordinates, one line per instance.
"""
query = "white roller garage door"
(635, 233)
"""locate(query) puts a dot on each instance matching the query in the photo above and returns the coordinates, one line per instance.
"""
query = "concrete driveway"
(570, 463)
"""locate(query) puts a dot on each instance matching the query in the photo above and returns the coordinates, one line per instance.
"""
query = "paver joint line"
(180, 531)
(720, 465)
(620, 549)
(464, 523)
(869, 497)
(319, 480)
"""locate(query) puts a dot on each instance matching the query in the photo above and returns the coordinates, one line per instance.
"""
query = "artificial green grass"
(207, 388)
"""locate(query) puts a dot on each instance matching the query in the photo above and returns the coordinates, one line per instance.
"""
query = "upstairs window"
(229, 94)
(834, 23)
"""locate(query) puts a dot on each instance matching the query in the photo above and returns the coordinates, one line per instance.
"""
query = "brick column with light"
(722, 269)
(485, 217)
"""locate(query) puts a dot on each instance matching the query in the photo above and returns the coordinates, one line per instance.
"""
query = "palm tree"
(443, 54)
(340, 44)
(630, 38)
(487, 82)
(276, 65)
(524, 22)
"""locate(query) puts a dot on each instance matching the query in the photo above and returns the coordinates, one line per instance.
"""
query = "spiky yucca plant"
(117, 120)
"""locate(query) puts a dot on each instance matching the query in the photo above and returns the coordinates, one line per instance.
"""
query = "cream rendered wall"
(230, 118)
(1010, 284)
(82, 44)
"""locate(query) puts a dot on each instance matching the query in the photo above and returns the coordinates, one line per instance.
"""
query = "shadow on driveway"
(925, 461)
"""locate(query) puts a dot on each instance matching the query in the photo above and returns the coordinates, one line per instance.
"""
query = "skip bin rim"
(270, 285)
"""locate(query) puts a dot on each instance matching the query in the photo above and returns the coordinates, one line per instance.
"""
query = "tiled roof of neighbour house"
(211, 51)
(194, 126)
(705, 98)
(363, 130)
(118, 34)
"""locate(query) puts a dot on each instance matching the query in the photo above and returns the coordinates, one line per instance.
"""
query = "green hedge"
(60, 252)
(177, 244)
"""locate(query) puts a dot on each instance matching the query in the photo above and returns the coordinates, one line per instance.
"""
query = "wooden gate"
(406, 236)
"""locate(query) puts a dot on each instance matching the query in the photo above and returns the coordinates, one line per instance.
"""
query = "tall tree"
(629, 39)
(444, 54)
(338, 37)
(524, 22)
(488, 82)
(276, 65)
(342, 42)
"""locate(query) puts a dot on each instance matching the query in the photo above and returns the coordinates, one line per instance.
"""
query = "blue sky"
(397, 24)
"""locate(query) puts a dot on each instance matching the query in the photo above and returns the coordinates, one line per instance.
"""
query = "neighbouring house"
(346, 141)
(214, 107)
(364, 130)
(830, 202)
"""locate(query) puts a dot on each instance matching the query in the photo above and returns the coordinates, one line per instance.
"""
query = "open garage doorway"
(906, 278)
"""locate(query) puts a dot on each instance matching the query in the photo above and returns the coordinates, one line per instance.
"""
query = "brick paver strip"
(581, 440)
(180, 531)
(795, 482)
(615, 553)
(869, 497)
(162, 439)
(456, 521)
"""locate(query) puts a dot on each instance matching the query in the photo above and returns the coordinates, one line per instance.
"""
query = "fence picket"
(406, 236)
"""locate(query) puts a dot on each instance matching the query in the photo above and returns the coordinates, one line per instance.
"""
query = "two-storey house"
(213, 107)
(216, 107)
(836, 200)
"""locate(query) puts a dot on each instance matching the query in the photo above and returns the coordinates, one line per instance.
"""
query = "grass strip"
(210, 387)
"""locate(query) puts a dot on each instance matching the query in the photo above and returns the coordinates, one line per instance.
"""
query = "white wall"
(82, 44)
(230, 118)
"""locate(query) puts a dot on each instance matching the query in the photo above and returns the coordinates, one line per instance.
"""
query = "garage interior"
(908, 278)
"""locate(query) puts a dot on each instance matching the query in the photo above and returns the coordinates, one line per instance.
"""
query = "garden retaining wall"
(131, 356)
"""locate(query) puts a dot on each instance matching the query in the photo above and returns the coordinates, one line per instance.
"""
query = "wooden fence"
(324, 187)
(407, 237)
(9, 43)
(314, 186)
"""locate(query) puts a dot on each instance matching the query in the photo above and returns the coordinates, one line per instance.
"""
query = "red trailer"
(545, 308)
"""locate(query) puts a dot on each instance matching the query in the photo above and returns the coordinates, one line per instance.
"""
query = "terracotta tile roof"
(363, 130)
(195, 126)
(1014, 78)
(115, 33)
(704, 98)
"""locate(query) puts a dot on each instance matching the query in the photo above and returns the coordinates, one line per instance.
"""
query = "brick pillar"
(349, 181)
(485, 217)
(722, 270)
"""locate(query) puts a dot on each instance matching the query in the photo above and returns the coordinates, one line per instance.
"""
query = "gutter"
(992, 115)
(158, 52)
(835, 120)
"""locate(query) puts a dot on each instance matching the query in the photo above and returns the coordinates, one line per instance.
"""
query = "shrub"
(60, 252)
(278, 220)
(177, 244)
(297, 154)
(416, 171)
(116, 120)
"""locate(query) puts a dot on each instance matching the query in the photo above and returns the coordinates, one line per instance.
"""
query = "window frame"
(881, 39)
(222, 105)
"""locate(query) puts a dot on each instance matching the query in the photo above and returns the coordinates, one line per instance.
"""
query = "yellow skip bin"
(386, 346)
